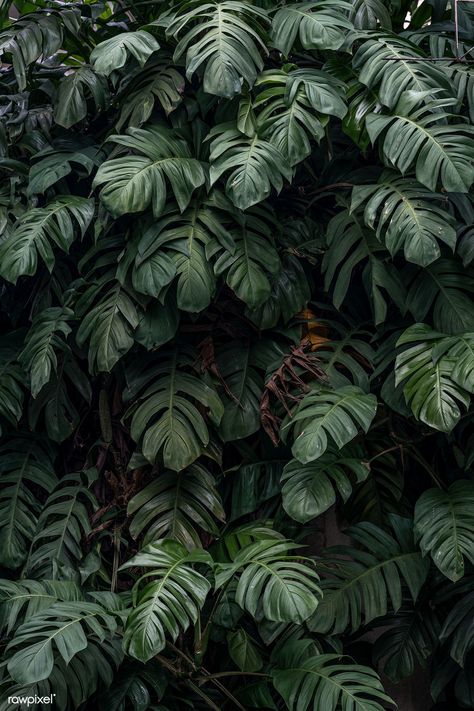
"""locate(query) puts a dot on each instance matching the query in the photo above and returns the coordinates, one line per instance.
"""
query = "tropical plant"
(236, 277)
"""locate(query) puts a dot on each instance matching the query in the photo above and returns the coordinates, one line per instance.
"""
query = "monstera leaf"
(437, 375)
(137, 685)
(369, 14)
(243, 651)
(285, 588)
(177, 505)
(289, 294)
(62, 525)
(59, 402)
(307, 679)
(361, 586)
(335, 413)
(11, 382)
(317, 25)
(44, 337)
(26, 473)
(166, 419)
(347, 356)
(73, 91)
(310, 489)
(457, 628)
(112, 53)
(223, 39)
(350, 244)
(417, 140)
(444, 522)
(21, 600)
(253, 262)
(409, 642)
(392, 65)
(448, 290)
(64, 629)
(406, 216)
(35, 36)
(108, 325)
(255, 165)
(38, 230)
(133, 182)
(294, 107)
(160, 81)
(54, 163)
(169, 602)
(178, 247)
(242, 392)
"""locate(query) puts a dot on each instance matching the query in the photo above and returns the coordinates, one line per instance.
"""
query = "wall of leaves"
(236, 291)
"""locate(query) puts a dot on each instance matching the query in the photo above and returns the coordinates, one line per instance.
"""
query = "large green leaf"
(169, 602)
(236, 539)
(405, 215)
(392, 65)
(73, 92)
(159, 323)
(457, 629)
(137, 685)
(62, 526)
(308, 680)
(408, 643)
(21, 600)
(243, 651)
(38, 230)
(437, 373)
(11, 382)
(381, 492)
(166, 419)
(447, 289)
(223, 39)
(293, 107)
(317, 25)
(346, 356)
(63, 628)
(253, 262)
(254, 484)
(310, 489)
(349, 245)
(109, 318)
(363, 582)
(289, 295)
(56, 162)
(369, 14)
(60, 401)
(178, 246)
(26, 472)
(243, 387)
(255, 165)
(34, 36)
(112, 53)
(160, 81)
(444, 524)
(283, 586)
(38, 357)
(133, 182)
(335, 413)
(418, 140)
(177, 505)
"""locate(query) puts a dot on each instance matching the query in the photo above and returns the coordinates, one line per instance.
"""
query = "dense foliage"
(236, 292)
